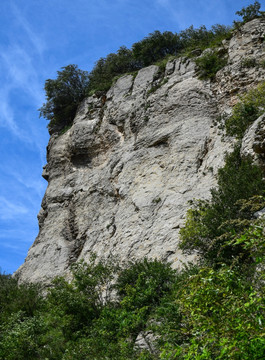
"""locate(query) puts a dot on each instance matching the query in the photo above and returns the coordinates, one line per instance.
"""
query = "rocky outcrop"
(245, 66)
(120, 179)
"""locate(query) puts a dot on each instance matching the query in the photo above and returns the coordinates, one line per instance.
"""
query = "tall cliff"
(120, 179)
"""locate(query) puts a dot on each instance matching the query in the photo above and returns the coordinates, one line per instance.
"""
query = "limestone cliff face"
(119, 180)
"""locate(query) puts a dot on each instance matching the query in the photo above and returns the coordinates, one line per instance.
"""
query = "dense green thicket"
(196, 313)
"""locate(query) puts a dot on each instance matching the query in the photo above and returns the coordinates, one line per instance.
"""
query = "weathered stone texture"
(119, 180)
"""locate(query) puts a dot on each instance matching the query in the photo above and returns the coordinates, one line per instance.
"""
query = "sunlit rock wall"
(119, 180)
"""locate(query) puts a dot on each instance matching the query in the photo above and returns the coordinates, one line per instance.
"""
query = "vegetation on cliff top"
(65, 93)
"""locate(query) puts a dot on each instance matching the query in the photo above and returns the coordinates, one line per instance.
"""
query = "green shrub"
(248, 62)
(15, 297)
(211, 223)
(155, 47)
(246, 111)
(250, 12)
(253, 240)
(107, 69)
(202, 38)
(208, 65)
(81, 301)
(20, 326)
(20, 337)
(145, 281)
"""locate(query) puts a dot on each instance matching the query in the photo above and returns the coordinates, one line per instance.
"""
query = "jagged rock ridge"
(119, 180)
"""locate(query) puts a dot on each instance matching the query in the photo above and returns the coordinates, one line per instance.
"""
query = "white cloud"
(7, 117)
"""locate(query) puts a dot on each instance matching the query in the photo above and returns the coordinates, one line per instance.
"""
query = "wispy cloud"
(10, 210)
(21, 62)
(6, 114)
(35, 39)
(35, 185)
(194, 12)
(21, 72)
(7, 118)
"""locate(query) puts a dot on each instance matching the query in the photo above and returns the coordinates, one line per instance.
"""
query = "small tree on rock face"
(63, 95)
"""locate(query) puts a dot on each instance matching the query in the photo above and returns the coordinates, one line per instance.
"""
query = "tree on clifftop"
(63, 97)
(250, 12)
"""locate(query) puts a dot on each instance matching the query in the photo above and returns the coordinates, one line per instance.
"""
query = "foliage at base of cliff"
(143, 311)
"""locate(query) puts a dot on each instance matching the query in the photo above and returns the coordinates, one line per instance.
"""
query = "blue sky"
(37, 38)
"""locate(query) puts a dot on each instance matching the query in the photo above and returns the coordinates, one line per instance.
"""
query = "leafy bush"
(20, 337)
(144, 283)
(155, 47)
(106, 69)
(248, 62)
(20, 327)
(223, 317)
(15, 297)
(253, 240)
(211, 223)
(246, 111)
(202, 38)
(63, 96)
(208, 65)
(101, 326)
